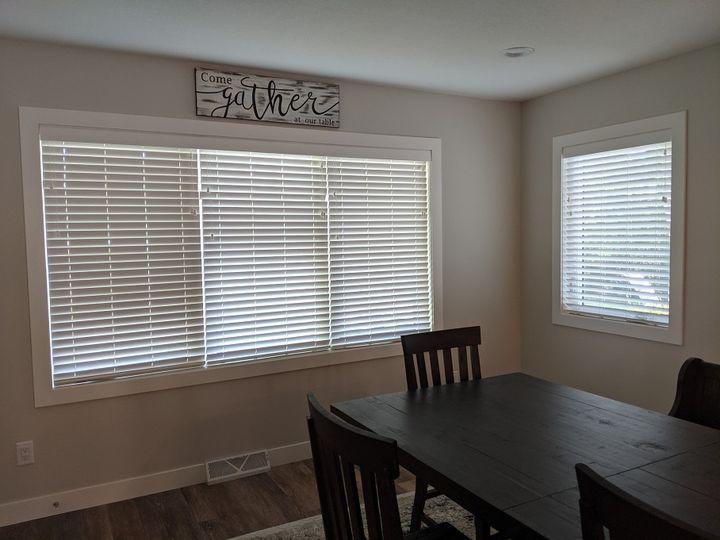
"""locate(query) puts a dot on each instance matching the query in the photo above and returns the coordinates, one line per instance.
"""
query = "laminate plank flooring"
(284, 494)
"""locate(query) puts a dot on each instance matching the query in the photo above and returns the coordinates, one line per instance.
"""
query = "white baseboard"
(127, 488)
(291, 453)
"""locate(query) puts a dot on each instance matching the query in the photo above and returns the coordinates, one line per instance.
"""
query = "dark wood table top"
(506, 446)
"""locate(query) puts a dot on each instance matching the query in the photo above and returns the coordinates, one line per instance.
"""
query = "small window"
(619, 216)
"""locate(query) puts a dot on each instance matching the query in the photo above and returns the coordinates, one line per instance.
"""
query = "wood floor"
(286, 493)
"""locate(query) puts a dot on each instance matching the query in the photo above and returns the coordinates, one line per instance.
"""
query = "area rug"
(440, 509)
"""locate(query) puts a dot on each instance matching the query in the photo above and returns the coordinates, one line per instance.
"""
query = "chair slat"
(326, 506)
(410, 372)
(388, 501)
(435, 368)
(338, 497)
(591, 529)
(449, 371)
(463, 363)
(372, 512)
(422, 370)
(475, 361)
(351, 493)
(333, 493)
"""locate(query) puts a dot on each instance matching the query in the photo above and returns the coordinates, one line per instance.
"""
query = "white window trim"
(602, 139)
(225, 135)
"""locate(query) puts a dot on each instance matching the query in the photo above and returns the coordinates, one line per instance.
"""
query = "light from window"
(615, 227)
(161, 259)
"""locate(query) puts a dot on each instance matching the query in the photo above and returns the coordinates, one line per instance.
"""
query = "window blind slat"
(615, 217)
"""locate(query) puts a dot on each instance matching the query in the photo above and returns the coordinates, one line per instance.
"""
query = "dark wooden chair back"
(698, 393)
(339, 449)
(605, 506)
(415, 346)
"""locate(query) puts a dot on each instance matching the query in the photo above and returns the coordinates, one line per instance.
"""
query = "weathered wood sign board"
(253, 97)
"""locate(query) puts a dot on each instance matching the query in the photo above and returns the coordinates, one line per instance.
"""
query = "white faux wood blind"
(123, 259)
(265, 254)
(616, 233)
(379, 250)
(176, 258)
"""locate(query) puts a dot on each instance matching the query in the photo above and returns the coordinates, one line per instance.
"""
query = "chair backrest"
(415, 346)
(698, 393)
(339, 451)
(604, 505)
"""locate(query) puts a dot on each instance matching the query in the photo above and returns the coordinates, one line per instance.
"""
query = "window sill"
(671, 334)
(241, 370)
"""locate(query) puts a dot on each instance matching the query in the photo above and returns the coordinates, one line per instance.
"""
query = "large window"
(619, 228)
(175, 258)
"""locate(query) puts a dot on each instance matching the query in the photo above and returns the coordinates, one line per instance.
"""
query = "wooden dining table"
(505, 448)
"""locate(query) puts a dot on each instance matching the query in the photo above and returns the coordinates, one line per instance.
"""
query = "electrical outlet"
(25, 452)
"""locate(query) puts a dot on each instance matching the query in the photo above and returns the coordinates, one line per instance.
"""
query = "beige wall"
(632, 370)
(92, 442)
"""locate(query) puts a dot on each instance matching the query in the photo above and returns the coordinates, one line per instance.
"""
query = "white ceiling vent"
(222, 470)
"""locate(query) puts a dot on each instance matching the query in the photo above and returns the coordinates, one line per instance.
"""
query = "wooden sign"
(253, 97)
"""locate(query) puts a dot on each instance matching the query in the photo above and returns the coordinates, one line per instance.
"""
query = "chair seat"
(440, 531)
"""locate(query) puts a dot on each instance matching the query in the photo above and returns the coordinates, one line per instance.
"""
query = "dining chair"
(697, 398)
(415, 348)
(339, 451)
(603, 505)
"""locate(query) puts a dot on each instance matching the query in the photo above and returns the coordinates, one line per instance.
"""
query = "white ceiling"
(440, 45)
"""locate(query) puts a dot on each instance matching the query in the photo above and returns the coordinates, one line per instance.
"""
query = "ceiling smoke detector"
(518, 52)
